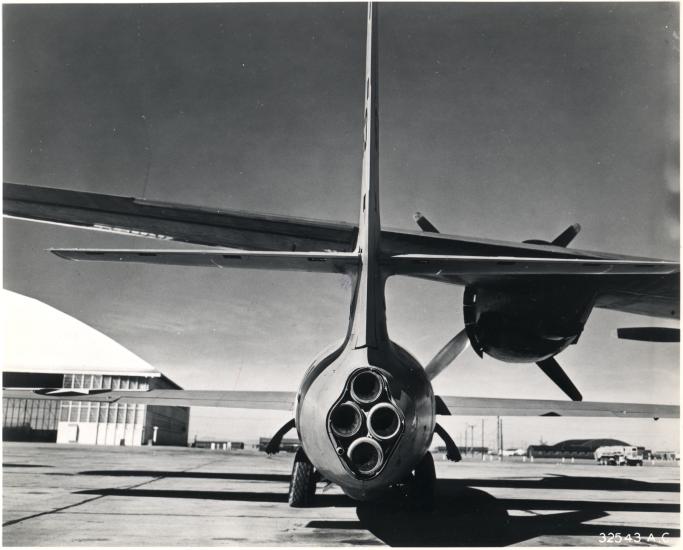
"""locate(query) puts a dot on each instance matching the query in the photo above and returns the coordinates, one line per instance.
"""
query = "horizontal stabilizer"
(325, 262)
(272, 400)
(425, 264)
(642, 293)
(493, 406)
(650, 334)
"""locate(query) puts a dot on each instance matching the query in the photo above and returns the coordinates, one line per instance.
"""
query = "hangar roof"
(40, 338)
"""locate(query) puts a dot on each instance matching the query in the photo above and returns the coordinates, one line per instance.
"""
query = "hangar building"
(572, 448)
(45, 348)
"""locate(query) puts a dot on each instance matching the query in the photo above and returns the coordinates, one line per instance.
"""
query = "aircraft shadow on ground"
(283, 478)
(550, 482)
(462, 515)
(10, 465)
(321, 501)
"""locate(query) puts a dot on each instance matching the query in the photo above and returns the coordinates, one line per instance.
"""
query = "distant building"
(572, 448)
(664, 455)
(92, 423)
(470, 450)
(69, 354)
(218, 445)
(287, 445)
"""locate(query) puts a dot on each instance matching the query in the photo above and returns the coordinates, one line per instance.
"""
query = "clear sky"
(503, 121)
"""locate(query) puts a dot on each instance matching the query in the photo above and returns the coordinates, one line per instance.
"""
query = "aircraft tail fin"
(368, 319)
(369, 222)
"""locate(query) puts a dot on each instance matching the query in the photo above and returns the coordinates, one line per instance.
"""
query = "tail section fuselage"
(365, 411)
(366, 418)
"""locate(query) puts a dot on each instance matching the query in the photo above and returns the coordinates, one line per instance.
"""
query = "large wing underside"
(174, 222)
(645, 290)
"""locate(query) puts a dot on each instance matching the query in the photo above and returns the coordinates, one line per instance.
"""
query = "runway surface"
(64, 495)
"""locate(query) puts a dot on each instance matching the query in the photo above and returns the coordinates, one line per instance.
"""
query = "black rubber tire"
(303, 481)
(425, 483)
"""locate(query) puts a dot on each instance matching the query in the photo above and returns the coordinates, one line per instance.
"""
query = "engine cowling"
(526, 322)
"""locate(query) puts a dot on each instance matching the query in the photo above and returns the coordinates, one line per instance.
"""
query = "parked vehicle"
(618, 456)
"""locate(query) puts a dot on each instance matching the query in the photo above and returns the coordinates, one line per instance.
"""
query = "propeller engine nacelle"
(526, 323)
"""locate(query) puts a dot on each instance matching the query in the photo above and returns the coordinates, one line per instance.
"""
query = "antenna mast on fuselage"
(368, 317)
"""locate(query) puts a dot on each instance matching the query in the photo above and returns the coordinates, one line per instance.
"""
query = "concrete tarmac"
(75, 495)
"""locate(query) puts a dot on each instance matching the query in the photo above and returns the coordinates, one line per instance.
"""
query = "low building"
(572, 448)
(469, 451)
(218, 445)
(664, 455)
(73, 355)
(287, 445)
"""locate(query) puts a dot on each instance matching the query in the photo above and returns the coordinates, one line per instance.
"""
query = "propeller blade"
(650, 334)
(567, 236)
(563, 239)
(554, 371)
(424, 223)
(447, 354)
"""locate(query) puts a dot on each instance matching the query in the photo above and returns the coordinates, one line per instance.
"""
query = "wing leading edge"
(285, 401)
(270, 400)
(491, 406)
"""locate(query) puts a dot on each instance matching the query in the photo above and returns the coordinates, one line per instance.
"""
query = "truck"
(618, 456)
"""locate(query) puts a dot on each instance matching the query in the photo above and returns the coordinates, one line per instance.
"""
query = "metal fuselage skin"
(406, 393)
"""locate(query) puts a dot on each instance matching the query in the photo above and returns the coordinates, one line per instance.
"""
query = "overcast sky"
(503, 121)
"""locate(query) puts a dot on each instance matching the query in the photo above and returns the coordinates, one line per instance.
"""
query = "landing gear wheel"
(303, 480)
(425, 483)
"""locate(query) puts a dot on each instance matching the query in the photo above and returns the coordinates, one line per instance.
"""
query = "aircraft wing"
(649, 291)
(173, 222)
(492, 406)
(280, 400)
(439, 266)
(272, 400)
(482, 266)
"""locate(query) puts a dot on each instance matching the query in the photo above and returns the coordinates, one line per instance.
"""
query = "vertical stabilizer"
(368, 315)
